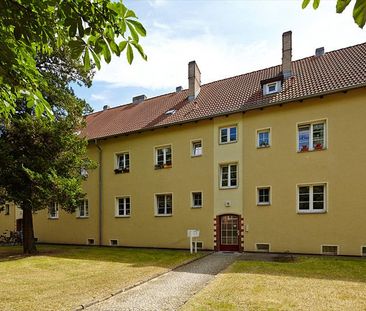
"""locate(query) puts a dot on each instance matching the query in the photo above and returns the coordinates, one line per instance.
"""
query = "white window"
(7, 209)
(311, 136)
(272, 87)
(263, 138)
(83, 211)
(228, 134)
(228, 176)
(123, 162)
(196, 148)
(164, 204)
(312, 198)
(263, 196)
(123, 207)
(196, 199)
(53, 211)
(163, 157)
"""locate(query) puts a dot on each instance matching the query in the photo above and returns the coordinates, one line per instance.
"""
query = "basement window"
(262, 247)
(113, 242)
(90, 242)
(199, 245)
(330, 249)
(363, 251)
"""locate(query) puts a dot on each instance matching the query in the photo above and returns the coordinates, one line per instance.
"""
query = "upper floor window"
(272, 87)
(196, 199)
(228, 134)
(196, 148)
(263, 196)
(53, 211)
(163, 157)
(83, 210)
(228, 176)
(164, 204)
(311, 136)
(123, 163)
(311, 198)
(123, 207)
(263, 138)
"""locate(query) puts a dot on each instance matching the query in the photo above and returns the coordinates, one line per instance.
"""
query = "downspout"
(100, 193)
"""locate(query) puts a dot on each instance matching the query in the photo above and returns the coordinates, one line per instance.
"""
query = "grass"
(310, 283)
(64, 277)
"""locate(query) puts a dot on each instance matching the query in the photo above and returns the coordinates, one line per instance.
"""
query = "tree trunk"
(29, 245)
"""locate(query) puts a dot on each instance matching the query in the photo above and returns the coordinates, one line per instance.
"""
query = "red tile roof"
(312, 76)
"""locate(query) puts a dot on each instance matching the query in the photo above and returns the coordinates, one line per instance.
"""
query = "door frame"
(217, 230)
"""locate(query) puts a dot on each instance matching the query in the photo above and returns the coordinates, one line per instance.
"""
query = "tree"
(359, 9)
(91, 29)
(41, 159)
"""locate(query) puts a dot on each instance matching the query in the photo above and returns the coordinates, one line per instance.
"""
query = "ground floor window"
(123, 207)
(312, 198)
(83, 209)
(164, 204)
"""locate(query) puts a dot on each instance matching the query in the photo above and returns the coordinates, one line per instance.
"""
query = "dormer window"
(271, 88)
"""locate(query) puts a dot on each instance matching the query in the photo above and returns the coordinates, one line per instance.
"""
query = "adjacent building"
(271, 161)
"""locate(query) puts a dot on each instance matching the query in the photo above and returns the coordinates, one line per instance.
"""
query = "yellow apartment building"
(267, 161)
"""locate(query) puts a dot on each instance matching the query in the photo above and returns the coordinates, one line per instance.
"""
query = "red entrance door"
(229, 233)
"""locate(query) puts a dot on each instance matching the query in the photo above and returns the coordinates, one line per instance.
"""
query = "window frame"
(85, 203)
(229, 186)
(57, 212)
(262, 130)
(193, 206)
(311, 124)
(156, 207)
(193, 142)
(269, 196)
(123, 169)
(229, 141)
(116, 206)
(164, 164)
(278, 88)
(311, 209)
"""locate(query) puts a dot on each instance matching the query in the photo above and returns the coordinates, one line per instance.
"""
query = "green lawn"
(310, 283)
(64, 277)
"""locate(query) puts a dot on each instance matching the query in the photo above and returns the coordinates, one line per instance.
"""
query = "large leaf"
(341, 5)
(129, 54)
(359, 13)
(316, 4)
(138, 27)
(305, 3)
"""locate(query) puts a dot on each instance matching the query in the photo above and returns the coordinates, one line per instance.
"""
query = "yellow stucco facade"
(339, 168)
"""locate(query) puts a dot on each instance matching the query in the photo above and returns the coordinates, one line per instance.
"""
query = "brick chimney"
(194, 80)
(286, 54)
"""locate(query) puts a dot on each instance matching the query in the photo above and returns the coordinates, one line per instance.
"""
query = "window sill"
(163, 166)
(82, 217)
(263, 147)
(229, 142)
(312, 212)
(53, 218)
(122, 216)
(121, 171)
(311, 150)
(196, 207)
(163, 215)
(263, 204)
(196, 156)
(227, 188)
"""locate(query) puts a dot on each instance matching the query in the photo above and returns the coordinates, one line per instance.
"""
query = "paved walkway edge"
(91, 303)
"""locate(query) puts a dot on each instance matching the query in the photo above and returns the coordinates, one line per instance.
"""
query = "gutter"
(100, 193)
(242, 109)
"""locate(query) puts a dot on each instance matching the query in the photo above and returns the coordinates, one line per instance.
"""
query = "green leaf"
(122, 45)
(139, 49)
(114, 47)
(106, 53)
(359, 13)
(96, 59)
(305, 3)
(130, 13)
(86, 59)
(133, 32)
(129, 54)
(138, 27)
(341, 5)
(77, 47)
(316, 4)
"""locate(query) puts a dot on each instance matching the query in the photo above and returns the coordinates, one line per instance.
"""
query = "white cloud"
(157, 3)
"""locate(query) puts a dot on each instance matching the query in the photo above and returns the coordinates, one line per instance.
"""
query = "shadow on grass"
(136, 257)
(349, 269)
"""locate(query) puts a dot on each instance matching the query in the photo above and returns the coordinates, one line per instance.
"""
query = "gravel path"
(171, 290)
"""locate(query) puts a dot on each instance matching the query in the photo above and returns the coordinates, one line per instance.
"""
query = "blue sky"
(226, 38)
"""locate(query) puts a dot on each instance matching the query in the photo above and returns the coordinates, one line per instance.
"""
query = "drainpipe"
(100, 188)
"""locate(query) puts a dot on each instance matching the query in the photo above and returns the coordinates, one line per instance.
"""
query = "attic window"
(272, 87)
(170, 112)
